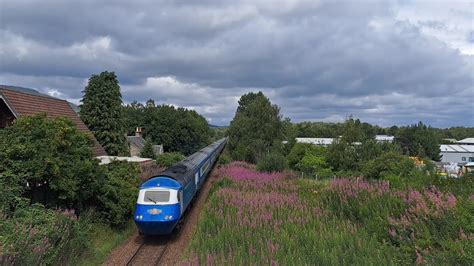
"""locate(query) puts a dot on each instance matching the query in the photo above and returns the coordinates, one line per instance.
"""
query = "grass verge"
(103, 240)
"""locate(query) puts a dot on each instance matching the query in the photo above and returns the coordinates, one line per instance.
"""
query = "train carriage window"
(157, 196)
(205, 167)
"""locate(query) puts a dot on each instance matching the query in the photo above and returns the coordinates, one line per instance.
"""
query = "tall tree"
(256, 129)
(419, 140)
(102, 112)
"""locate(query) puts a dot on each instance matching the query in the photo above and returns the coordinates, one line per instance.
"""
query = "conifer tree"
(147, 151)
(102, 112)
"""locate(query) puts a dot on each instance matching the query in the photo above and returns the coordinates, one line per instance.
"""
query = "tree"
(147, 150)
(48, 161)
(168, 159)
(102, 112)
(419, 140)
(256, 128)
(388, 163)
(177, 129)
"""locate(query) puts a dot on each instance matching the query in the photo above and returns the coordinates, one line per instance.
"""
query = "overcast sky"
(390, 62)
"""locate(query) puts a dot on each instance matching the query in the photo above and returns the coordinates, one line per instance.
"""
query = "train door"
(181, 200)
(196, 178)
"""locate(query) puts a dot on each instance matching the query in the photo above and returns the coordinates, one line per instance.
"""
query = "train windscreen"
(157, 196)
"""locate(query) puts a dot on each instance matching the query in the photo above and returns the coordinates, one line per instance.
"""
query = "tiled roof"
(137, 141)
(29, 102)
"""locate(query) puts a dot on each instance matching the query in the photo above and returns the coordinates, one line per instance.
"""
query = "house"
(316, 141)
(460, 154)
(384, 138)
(328, 141)
(16, 102)
(466, 141)
(137, 142)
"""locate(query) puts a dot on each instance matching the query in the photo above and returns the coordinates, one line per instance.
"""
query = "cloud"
(387, 63)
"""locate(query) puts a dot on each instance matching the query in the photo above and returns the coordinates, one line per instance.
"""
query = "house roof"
(136, 141)
(466, 140)
(25, 102)
(456, 148)
(384, 138)
(316, 141)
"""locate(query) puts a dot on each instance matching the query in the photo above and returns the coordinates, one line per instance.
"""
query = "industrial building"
(460, 154)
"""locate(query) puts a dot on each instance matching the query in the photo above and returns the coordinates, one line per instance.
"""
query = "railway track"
(150, 252)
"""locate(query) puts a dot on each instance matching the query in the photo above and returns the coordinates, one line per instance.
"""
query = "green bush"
(390, 163)
(224, 159)
(272, 162)
(119, 193)
(168, 159)
(52, 157)
(147, 151)
(35, 235)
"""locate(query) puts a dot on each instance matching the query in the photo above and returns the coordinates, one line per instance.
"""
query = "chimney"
(138, 132)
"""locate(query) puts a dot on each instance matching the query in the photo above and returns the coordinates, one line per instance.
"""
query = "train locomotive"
(162, 199)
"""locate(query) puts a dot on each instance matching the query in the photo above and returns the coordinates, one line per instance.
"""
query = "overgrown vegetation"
(52, 189)
(177, 129)
(168, 159)
(260, 218)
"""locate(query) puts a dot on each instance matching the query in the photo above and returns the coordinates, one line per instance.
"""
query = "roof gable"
(25, 103)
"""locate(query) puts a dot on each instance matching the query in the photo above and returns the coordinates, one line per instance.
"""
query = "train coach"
(162, 199)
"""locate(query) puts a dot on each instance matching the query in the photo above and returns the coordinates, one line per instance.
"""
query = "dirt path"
(177, 242)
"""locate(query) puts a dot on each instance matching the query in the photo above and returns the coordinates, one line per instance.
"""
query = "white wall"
(456, 156)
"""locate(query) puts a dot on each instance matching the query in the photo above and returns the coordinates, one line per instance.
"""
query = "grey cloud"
(318, 60)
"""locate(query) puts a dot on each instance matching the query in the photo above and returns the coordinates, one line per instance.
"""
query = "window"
(157, 196)
(205, 167)
(471, 159)
(463, 159)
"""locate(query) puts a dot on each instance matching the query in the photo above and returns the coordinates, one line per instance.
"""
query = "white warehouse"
(460, 154)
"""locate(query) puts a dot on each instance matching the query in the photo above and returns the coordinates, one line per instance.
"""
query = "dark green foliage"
(134, 114)
(224, 159)
(457, 133)
(299, 150)
(309, 159)
(48, 161)
(342, 156)
(256, 129)
(147, 151)
(419, 140)
(362, 130)
(101, 111)
(390, 163)
(353, 131)
(168, 159)
(177, 129)
(52, 157)
(272, 162)
(118, 194)
(218, 133)
(36, 235)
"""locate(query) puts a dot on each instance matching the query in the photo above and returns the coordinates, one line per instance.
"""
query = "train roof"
(180, 171)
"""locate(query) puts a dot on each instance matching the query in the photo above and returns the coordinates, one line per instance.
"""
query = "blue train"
(163, 198)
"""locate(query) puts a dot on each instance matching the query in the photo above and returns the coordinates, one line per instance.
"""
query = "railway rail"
(150, 252)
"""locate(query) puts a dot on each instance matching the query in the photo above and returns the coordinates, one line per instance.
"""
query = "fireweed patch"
(276, 219)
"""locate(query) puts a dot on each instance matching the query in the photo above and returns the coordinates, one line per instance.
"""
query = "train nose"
(156, 219)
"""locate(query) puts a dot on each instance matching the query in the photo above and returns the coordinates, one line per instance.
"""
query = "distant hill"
(214, 126)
